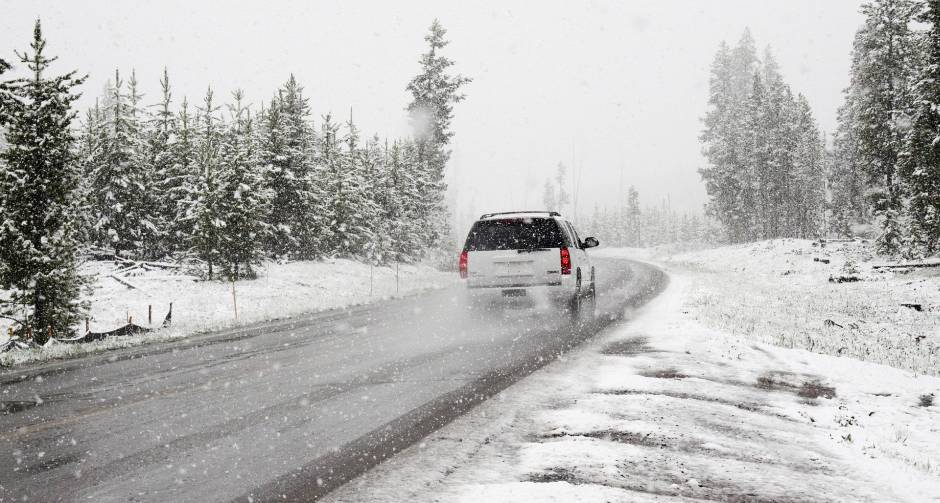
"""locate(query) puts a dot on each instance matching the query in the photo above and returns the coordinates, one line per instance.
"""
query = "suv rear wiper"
(530, 250)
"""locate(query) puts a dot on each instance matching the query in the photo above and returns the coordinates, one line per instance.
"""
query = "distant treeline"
(627, 224)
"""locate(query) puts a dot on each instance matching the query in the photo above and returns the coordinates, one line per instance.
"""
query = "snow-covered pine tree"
(6, 101)
(242, 198)
(920, 163)
(121, 180)
(271, 151)
(375, 193)
(633, 236)
(90, 143)
(807, 194)
(394, 203)
(166, 183)
(846, 178)
(404, 217)
(752, 175)
(727, 180)
(352, 206)
(775, 176)
(204, 209)
(287, 150)
(39, 176)
(331, 162)
(176, 187)
(378, 189)
(149, 225)
(562, 197)
(883, 59)
(434, 92)
(763, 148)
(548, 196)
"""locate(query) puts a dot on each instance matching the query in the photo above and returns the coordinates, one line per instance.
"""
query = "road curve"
(277, 411)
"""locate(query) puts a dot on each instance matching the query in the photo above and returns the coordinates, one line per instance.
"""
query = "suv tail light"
(463, 264)
(565, 260)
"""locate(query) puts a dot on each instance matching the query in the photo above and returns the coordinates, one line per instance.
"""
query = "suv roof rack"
(488, 215)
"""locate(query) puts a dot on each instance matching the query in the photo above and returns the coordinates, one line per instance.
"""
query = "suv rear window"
(514, 234)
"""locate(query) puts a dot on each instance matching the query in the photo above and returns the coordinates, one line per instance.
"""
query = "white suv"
(534, 253)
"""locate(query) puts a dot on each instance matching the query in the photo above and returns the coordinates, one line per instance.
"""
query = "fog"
(615, 90)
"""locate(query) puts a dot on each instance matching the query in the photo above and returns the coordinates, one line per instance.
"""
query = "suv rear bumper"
(539, 295)
(512, 285)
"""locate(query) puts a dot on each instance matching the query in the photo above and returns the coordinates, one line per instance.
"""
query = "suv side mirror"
(590, 243)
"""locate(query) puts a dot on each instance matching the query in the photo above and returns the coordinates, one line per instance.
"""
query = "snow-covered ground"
(785, 293)
(281, 290)
(665, 409)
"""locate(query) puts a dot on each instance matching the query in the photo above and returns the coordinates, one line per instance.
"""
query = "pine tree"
(377, 189)
(728, 177)
(39, 176)
(332, 161)
(88, 152)
(846, 178)
(406, 227)
(287, 151)
(149, 227)
(204, 208)
(561, 195)
(633, 236)
(776, 177)
(176, 187)
(242, 199)
(807, 189)
(434, 92)
(166, 182)
(920, 164)
(363, 209)
(121, 177)
(753, 175)
(883, 58)
(764, 175)
(548, 196)
(271, 151)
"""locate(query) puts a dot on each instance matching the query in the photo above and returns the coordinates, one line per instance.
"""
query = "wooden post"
(29, 332)
(87, 325)
(234, 300)
(150, 314)
(48, 333)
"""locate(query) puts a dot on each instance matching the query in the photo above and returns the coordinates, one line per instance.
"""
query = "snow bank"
(281, 290)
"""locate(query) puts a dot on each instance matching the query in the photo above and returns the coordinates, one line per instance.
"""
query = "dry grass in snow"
(780, 292)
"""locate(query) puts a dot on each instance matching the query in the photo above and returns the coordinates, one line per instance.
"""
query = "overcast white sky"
(611, 86)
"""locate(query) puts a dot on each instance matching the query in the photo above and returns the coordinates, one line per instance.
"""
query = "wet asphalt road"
(276, 411)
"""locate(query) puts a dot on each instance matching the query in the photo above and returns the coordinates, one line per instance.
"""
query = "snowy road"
(282, 409)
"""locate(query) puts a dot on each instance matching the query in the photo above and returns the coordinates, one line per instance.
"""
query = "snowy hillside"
(281, 290)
